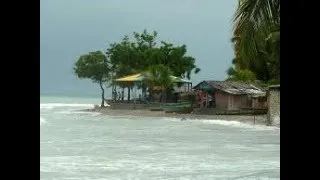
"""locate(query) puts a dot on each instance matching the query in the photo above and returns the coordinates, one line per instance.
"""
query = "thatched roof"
(230, 87)
(275, 87)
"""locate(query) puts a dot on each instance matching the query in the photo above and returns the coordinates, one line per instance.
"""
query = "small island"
(151, 77)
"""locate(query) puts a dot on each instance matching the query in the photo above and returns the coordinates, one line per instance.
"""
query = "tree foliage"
(245, 75)
(93, 66)
(140, 53)
(137, 55)
(143, 51)
(158, 78)
(256, 38)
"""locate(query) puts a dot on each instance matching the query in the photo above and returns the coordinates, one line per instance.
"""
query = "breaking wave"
(42, 120)
(228, 123)
(239, 124)
(56, 105)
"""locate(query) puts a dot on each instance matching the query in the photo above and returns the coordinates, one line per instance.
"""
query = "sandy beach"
(259, 119)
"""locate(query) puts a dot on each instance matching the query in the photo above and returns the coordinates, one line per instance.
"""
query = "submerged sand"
(258, 119)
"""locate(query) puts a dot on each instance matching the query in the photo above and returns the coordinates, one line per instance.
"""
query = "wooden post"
(268, 113)
(112, 93)
(135, 97)
(232, 101)
(206, 99)
(254, 116)
(229, 102)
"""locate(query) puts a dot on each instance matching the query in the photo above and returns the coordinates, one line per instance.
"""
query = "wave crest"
(54, 105)
(42, 120)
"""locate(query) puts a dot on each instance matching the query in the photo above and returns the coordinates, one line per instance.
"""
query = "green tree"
(159, 77)
(135, 55)
(122, 60)
(94, 66)
(231, 71)
(256, 37)
(176, 59)
(246, 76)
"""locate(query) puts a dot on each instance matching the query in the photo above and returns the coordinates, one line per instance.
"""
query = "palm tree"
(159, 77)
(256, 36)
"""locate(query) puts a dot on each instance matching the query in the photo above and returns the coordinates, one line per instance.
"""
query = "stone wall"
(274, 106)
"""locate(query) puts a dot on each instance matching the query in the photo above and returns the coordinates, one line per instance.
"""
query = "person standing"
(114, 95)
(122, 95)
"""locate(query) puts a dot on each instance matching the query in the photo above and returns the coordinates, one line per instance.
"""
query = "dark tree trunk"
(122, 94)
(128, 94)
(164, 96)
(143, 92)
(102, 94)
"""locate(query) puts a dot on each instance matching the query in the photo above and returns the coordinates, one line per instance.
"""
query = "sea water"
(88, 145)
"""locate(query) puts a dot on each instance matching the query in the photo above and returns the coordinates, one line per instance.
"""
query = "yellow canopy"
(139, 77)
(131, 78)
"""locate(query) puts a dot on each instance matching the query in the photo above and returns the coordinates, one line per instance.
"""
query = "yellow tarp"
(131, 78)
(139, 77)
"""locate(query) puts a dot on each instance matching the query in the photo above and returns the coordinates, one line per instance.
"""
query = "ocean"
(89, 145)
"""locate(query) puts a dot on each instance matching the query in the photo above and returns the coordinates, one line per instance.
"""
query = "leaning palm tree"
(256, 34)
(158, 77)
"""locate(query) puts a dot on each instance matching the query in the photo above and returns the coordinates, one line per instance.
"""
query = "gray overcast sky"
(69, 28)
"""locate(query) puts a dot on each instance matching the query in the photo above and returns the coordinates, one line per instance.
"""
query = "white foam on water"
(80, 112)
(239, 124)
(247, 148)
(276, 120)
(170, 119)
(42, 120)
(55, 105)
(226, 123)
(45, 107)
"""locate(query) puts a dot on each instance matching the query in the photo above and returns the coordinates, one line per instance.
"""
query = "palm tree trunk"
(102, 94)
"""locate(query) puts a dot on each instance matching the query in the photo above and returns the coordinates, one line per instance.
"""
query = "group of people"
(117, 96)
(202, 99)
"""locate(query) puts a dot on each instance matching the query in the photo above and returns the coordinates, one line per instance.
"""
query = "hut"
(230, 96)
(136, 82)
